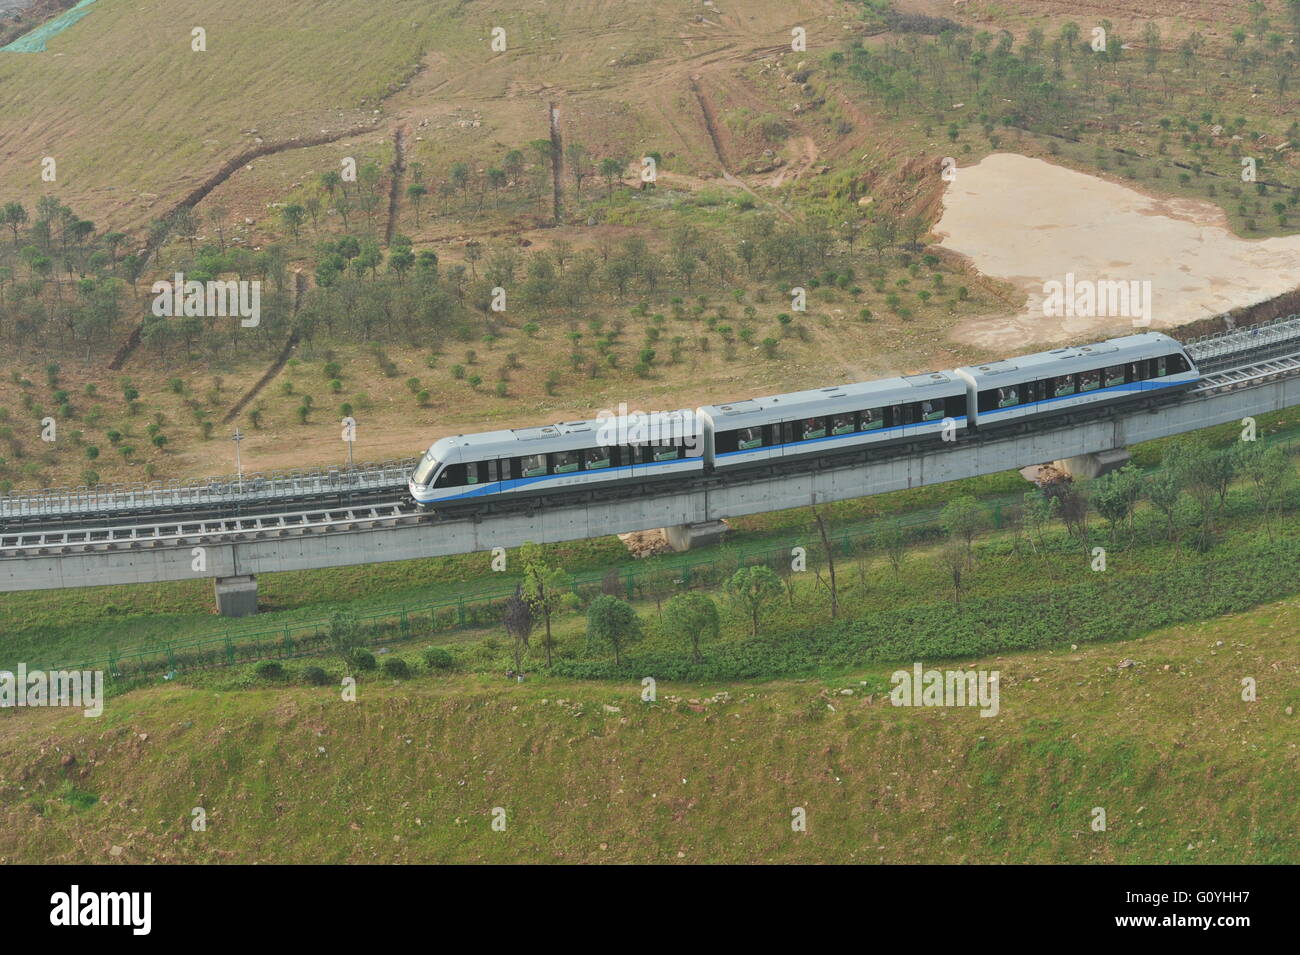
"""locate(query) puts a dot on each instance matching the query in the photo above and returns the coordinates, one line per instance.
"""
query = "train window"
(1161, 366)
(1112, 376)
(1177, 364)
(593, 459)
(424, 470)
(872, 418)
(1062, 386)
(932, 410)
(749, 438)
(1137, 371)
(811, 428)
(453, 475)
(665, 454)
(1033, 391)
(532, 465)
(842, 424)
(1089, 381)
(565, 462)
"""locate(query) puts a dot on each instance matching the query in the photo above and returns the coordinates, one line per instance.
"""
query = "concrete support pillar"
(1095, 464)
(685, 536)
(236, 596)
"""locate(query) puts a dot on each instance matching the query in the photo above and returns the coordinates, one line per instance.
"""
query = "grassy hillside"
(1186, 771)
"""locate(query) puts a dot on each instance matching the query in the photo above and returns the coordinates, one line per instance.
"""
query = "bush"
(363, 659)
(269, 670)
(315, 676)
(396, 668)
(436, 658)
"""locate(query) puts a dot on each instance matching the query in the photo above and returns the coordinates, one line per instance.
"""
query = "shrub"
(363, 659)
(396, 668)
(269, 670)
(315, 676)
(436, 658)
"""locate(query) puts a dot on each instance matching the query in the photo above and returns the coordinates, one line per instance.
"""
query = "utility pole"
(239, 467)
(557, 159)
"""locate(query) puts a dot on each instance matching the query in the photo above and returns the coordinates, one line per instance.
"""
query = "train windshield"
(424, 470)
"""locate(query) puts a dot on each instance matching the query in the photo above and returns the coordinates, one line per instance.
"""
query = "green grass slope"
(411, 772)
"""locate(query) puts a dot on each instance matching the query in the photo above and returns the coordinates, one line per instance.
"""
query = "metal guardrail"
(1252, 374)
(173, 495)
(1256, 341)
(93, 539)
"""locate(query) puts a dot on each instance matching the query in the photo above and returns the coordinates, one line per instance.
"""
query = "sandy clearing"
(1027, 222)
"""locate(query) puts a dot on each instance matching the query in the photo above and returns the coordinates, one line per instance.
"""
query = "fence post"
(230, 650)
(406, 623)
(460, 610)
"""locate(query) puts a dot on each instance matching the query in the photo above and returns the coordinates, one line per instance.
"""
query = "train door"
(494, 472)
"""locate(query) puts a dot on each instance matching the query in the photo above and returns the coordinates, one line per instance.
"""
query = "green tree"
(14, 215)
(1038, 511)
(1115, 496)
(611, 170)
(544, 587)
(293, 216)
(1269, 471)
(517, 618)
(1164, 490)
(613, 623)
(344, 637)
(750, 588)
(691, 617)
(963, 518)
(893, 541)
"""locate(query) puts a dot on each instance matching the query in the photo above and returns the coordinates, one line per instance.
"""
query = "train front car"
(570, 457)
(1117, 370)
(827, 421)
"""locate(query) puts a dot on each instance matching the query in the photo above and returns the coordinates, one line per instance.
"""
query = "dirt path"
(299, 289)
(710, 124)
(396, 172)
(200, 192)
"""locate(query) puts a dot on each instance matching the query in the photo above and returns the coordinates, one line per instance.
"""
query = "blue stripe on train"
(838, 437)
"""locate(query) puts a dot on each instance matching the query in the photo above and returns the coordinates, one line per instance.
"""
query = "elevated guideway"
(234, 550)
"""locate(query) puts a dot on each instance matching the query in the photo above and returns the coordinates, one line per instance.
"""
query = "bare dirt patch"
(1027, 222)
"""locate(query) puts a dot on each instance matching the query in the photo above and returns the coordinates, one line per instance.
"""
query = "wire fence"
(421, 619)
(649, 579)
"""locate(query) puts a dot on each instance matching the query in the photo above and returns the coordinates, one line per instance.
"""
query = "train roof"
(1062, 361)
(570, 435)
(835, 399)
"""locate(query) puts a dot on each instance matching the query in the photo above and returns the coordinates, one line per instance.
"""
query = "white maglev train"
(573, 456)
